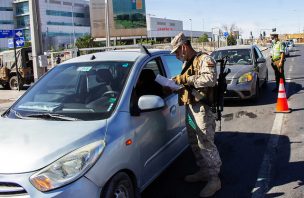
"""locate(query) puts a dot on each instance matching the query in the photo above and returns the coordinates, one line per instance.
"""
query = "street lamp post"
(35, 37)
(107, 23)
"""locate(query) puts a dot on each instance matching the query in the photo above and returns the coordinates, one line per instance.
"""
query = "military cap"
(274, 34)
(178, 41)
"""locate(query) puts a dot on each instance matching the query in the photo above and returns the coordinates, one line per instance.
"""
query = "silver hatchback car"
(248, 70)
(95, 126)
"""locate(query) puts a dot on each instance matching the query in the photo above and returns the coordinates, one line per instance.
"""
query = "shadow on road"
(293, 88)
(242, 155)
(293, 55)
(287, 172)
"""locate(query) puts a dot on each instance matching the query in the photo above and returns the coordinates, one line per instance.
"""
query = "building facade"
(6, 20)
(160, 30)
(61, 21)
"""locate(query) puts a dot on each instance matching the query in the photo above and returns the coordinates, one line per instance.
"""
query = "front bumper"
(239, 91)
(18, 185)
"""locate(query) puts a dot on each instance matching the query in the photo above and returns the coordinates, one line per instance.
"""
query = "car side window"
(146, 84)
(259, 53)
(173, 64)
(256, 55)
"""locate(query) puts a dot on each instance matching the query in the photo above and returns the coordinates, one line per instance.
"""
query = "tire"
(120, 186)
(13, 83)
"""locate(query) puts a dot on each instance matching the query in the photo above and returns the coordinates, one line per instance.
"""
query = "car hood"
(29, 145)
(237, 70)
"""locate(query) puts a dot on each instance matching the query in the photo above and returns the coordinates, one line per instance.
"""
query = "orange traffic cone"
(282, 105)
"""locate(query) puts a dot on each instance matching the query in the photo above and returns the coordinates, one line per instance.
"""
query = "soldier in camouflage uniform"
(201, 75)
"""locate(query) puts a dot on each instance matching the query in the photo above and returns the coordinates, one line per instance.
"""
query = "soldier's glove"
(181, 79)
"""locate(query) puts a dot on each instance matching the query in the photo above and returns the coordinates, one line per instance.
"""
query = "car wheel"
(13, 83)
(120, 186)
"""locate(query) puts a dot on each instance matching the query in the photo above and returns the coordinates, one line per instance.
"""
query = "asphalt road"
(261, 151)
(262, 157)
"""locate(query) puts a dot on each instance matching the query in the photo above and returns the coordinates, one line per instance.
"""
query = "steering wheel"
(110, 93)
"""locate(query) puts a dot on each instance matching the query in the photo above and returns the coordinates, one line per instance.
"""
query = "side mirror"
(261, 60)
(150, 103)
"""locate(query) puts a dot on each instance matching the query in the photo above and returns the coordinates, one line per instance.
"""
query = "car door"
(173, 67)
(261, 67)
(155, 128)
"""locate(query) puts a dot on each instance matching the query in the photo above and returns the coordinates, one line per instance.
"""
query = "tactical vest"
(185, 97)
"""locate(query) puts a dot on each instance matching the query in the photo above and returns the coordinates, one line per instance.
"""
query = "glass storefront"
(6, 22)
(23, 21)
(64, 14)
(6, 9)
(22, 8)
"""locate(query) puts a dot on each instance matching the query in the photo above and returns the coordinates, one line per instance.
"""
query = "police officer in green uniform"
(277, 59)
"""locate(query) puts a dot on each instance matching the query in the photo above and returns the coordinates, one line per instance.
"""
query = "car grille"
(231, 94)
(11, 189)
(246, 93)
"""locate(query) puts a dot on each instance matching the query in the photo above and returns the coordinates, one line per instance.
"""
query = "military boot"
(213, 185)
(197, 177)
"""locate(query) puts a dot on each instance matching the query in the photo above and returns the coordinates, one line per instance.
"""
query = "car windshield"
(235, 56)
(79, 91)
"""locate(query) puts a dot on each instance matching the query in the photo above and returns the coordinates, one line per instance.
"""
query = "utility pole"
(16, 62)
(74, 39)
(35, 37)
(107, 23)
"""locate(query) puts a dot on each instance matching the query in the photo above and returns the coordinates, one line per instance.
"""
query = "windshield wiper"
(52, 116)
(45, 116)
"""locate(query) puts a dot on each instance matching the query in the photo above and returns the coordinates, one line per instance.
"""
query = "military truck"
(8, 74)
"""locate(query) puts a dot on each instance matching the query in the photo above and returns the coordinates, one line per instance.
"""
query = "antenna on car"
(144, 50)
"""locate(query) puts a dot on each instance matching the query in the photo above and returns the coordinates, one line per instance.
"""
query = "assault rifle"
(221, 88)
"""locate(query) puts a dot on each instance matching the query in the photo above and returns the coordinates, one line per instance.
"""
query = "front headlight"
(247, 77)
(68, 168)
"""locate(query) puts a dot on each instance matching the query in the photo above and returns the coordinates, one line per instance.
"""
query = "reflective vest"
(277, 49)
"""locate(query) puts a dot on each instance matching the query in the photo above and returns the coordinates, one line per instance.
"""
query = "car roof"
(117, 55)
(236, 47)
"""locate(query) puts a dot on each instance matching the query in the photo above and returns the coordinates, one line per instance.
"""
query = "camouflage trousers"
(200, 123)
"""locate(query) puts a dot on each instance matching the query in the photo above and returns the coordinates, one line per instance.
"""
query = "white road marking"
(264, 175)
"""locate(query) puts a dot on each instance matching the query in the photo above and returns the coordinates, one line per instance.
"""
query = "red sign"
(165, 29)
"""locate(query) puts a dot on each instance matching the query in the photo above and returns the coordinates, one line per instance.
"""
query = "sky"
(287, 16)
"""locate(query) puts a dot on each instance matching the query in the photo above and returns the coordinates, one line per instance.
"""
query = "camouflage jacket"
(202, 76)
